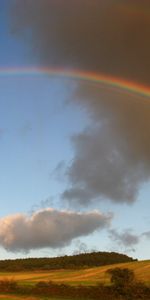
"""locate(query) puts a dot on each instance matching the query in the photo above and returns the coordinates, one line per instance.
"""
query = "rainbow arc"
(98, 78)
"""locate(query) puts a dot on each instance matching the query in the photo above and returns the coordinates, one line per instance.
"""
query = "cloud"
(105, 36)
(125, 238)
(48, 228)
(112, 155)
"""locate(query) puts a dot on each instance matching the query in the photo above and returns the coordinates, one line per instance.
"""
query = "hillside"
(89, 276)
(94, 259)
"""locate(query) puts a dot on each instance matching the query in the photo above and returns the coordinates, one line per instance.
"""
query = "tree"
(121, 277)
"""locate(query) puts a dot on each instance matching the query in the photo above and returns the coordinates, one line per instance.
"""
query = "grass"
(90, 276)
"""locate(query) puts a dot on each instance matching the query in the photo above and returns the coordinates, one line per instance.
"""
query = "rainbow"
(97, 78)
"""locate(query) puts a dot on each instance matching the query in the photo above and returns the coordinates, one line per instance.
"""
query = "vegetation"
(86, 276)
(85, 260)
(121, 278)
(121, 289)
(112, 282)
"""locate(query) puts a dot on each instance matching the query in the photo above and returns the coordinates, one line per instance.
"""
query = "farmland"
(89, 276)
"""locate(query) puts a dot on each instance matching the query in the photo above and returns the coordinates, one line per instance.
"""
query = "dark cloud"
(112, 156)
(48, 228)
(125, 238)
(105, 36)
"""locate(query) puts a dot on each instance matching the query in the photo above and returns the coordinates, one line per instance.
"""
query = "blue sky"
(37, 120)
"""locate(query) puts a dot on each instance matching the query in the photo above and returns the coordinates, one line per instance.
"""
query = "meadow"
(88, 276)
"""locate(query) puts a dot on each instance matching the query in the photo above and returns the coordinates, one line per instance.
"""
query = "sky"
(74, 127)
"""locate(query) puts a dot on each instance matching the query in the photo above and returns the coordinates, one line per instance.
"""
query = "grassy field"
(90, 276)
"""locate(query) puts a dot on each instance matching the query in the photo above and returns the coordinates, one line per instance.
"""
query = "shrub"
(121, 277)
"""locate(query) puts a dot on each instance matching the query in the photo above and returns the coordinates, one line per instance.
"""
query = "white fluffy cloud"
(48, 228)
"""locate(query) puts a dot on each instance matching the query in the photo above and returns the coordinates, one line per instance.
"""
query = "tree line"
(84, 260)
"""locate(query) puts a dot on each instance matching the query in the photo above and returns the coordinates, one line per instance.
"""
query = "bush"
(121, 277)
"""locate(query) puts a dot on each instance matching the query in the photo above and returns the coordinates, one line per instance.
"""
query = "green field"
(90, 276)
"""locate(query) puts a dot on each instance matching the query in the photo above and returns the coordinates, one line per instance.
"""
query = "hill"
(89, 276)
(79, 261)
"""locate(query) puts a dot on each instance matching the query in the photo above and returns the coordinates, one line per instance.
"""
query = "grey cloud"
(112, 156)
(125, 238)
(76, 194)
(48, 228)
(106, 36)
